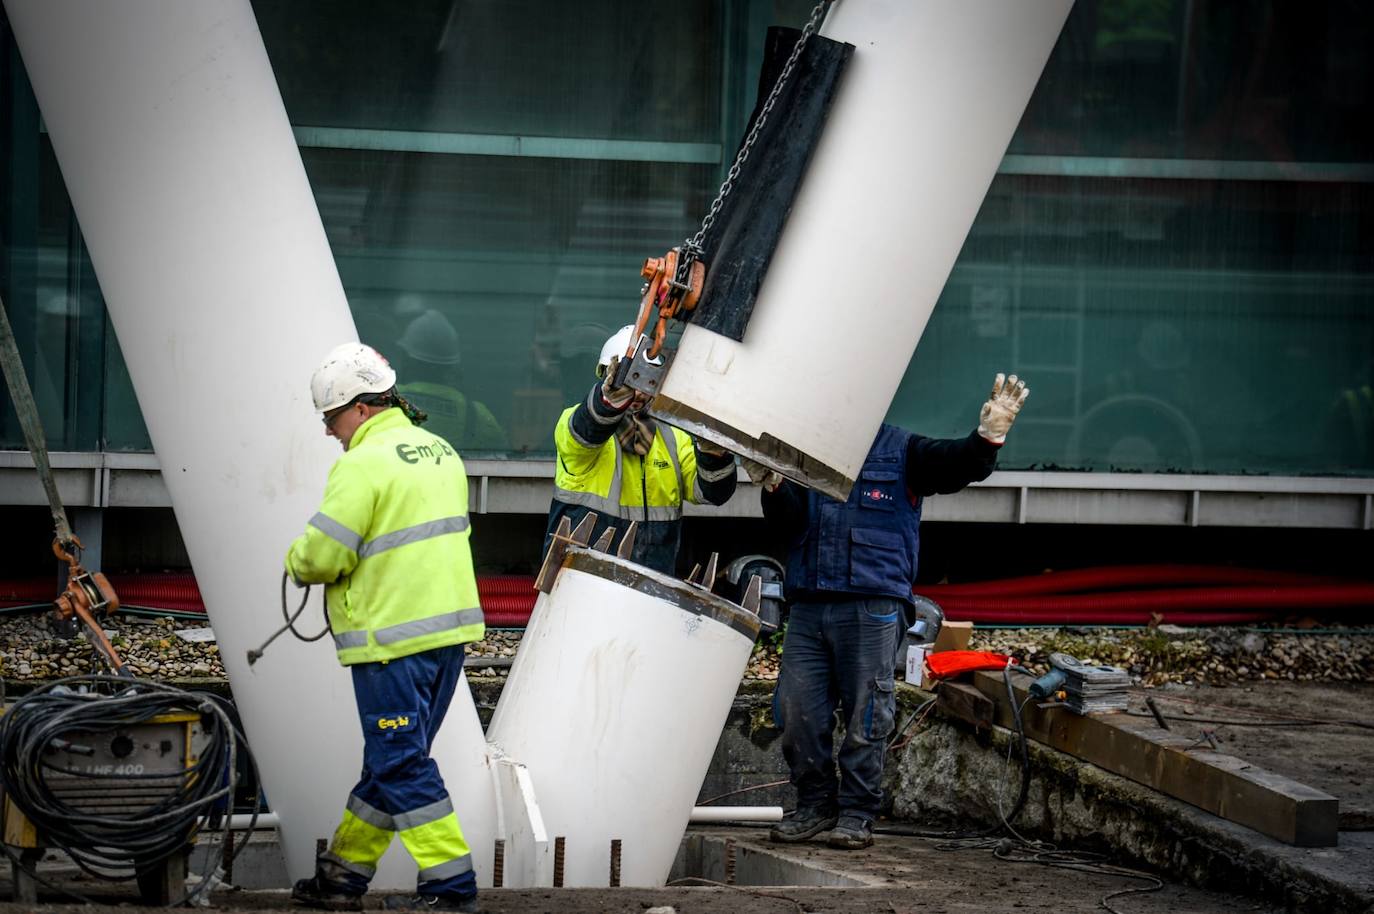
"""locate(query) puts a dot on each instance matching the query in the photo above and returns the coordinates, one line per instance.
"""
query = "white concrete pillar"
(189, 189)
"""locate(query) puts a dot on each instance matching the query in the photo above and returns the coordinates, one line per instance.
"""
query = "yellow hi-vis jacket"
(594, 474)
(390, 544)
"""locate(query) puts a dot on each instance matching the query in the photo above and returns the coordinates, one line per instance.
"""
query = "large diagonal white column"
(189, 189)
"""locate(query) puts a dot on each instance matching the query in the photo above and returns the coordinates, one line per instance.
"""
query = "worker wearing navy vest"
(390, 544)
(619, 463)
(850, 569)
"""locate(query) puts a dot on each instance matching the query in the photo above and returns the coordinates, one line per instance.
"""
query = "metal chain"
(691, 248)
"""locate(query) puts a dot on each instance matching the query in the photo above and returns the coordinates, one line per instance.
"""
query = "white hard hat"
(431, 338)
(615, 346)
(349, 370)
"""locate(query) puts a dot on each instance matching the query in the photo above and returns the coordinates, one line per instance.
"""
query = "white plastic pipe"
(266, 821)
(924, 113)
(186, 180)
(704, 814)
(615, 703)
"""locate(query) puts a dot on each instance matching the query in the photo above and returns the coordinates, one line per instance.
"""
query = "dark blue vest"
(866, 545)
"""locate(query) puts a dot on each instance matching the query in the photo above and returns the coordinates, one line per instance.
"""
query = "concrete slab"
(898, 875)
(948, 771)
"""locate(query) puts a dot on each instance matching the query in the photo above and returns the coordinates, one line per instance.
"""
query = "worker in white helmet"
(390, 543)
(433, 363)
(617, 462)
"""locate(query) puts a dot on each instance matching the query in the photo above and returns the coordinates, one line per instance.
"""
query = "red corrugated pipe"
(506, 599)
(1055, 598)
(1241, 595)
(1120, 577)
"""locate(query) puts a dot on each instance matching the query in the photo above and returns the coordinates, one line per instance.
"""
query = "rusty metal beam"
(1136, 748)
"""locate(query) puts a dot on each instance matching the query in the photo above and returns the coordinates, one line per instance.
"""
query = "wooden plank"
(966, 703)
(1135, 748)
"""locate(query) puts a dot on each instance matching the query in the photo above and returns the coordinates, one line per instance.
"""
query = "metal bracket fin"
(563, 537)
(708, 577)
(752, 594)
(627, 542)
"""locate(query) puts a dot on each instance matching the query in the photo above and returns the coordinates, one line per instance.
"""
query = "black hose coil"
(117, 845)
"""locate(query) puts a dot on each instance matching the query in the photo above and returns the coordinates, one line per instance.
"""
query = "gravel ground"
(32, 649)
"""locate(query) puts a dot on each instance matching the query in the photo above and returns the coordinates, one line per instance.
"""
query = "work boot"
(804, 822)
(319, 893)
(431, 903)
(851, 833)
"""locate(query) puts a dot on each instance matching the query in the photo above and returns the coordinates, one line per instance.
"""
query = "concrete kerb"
(951, 772)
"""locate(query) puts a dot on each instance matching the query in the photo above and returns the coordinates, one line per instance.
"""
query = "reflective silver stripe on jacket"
(609, 504)
(446, 870)
(370, 814)
(407, 535)
(424, 815)
(344, 640)
(715, 475)
(588, 500)
(572, 430)
(597, 417)
(670, 439)
(336, 531)
(441, 623)
(610, 508)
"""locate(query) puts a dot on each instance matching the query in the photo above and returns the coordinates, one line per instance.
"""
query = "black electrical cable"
(290, 617)
(1270, 722)
(1038, 852)
(117, 845)
(897, 734)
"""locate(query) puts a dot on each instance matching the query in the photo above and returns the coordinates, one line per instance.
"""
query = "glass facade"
(1177, 252)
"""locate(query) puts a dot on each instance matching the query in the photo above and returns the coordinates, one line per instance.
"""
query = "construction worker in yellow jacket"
(619, 463)
(390, 544)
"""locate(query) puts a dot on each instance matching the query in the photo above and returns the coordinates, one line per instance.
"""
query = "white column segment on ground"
(614, 704)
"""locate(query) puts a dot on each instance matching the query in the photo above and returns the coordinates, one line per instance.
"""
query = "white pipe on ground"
(703, 814)
(264, 821)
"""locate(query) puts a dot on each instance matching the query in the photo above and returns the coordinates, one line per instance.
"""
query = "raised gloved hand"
(709, 448)
(760, 474)
(615, 397)
(997, 415)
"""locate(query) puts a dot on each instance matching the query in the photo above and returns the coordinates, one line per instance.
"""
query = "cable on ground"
(1013, 847)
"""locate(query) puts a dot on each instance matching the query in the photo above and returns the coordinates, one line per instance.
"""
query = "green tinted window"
(1176, 253)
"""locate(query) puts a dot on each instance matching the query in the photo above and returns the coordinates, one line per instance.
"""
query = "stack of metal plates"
(1089, 689)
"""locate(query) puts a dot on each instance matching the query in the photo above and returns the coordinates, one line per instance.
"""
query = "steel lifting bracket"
(641, 372)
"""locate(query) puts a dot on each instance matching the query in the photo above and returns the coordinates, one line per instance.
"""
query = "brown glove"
(760, 474)
(616, 397)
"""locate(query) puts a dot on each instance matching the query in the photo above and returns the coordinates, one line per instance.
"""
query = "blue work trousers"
(401, 705)
(838, 654)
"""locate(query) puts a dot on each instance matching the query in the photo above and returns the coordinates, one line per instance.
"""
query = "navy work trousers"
(838, 654)
(401, 705)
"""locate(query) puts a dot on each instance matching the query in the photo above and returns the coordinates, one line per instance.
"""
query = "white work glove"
(760, 474)
(615, 397)
(997, 415)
